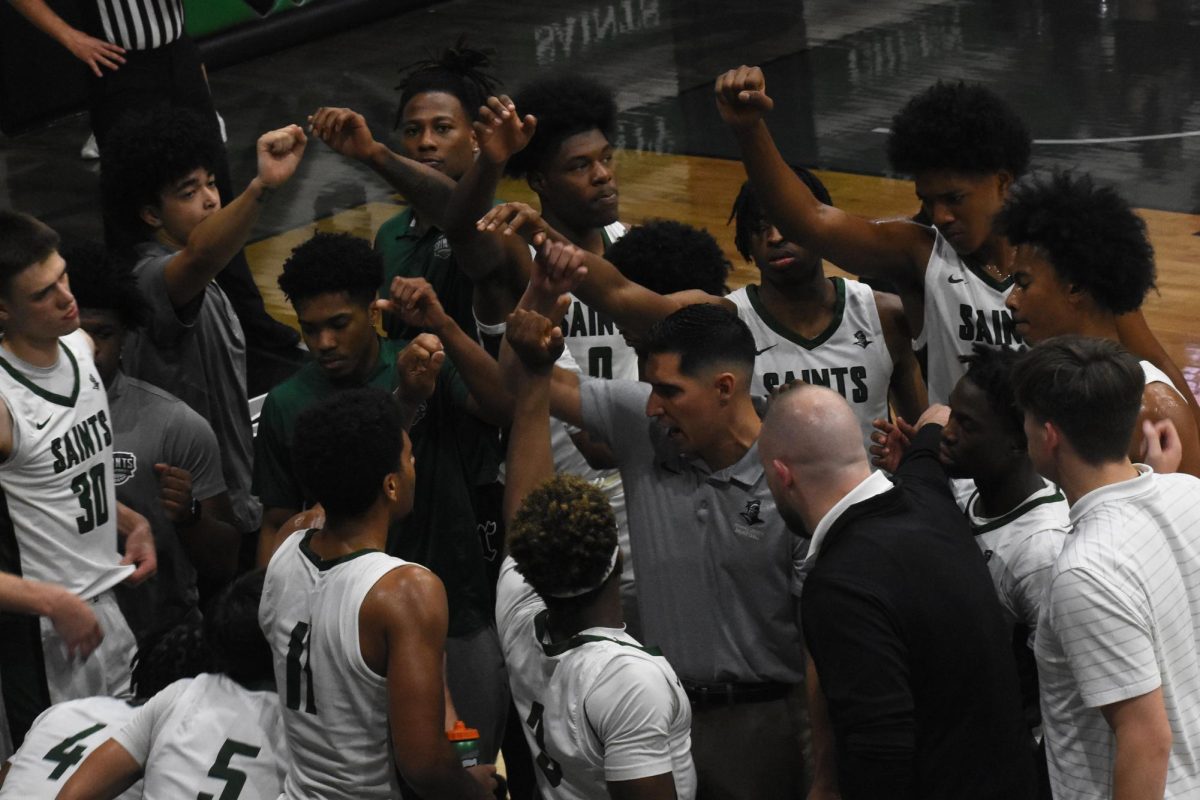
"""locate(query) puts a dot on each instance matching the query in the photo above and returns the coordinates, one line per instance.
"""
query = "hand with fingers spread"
(501, 131)
(536, 340)
(415, 302)
(175, 492)
(279, 153)
(1162, 448)
(96, 53)
(344, 130)
(889, 441)
(519, 218)
(742, 97)
(417, 368)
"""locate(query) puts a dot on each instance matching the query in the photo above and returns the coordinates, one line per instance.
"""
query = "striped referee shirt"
(141, 24)
(1121, 619)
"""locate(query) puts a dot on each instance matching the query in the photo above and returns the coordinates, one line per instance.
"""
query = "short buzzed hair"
(703, 335)
(1091, 389)
(24, 241)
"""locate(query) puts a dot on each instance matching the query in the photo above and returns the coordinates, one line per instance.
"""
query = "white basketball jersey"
(850, 356)
(59, 478)
(1155, 375)
(592, 336)
(208, 737)
(1020, 549)
(335, 708)
(57, 743)
(596, 708)
(963, 307)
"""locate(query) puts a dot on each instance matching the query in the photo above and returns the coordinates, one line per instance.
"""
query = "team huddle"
(934, 533)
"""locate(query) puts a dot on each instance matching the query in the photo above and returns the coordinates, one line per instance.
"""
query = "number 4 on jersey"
(67, 756)
(549, 767)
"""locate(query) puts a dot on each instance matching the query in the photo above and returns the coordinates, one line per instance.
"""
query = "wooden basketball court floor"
(700, 190)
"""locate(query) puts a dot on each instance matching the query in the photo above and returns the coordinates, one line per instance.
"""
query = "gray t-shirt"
(198, 354)
(152, 427)
(718, 570)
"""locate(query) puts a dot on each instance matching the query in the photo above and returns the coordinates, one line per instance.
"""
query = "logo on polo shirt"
(751, 513)
(124, 467)
(441, 248)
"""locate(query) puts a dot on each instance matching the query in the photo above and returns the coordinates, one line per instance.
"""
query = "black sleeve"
(921, 463)
(863, 667)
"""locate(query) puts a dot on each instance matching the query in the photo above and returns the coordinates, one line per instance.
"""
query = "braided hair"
(458, 70)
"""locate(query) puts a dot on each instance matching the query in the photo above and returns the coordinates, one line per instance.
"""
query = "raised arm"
(93, 52)
(220, 236)
(415, 301)
(634, 307)
(1137, 337)
(533, 344)
(896, 251)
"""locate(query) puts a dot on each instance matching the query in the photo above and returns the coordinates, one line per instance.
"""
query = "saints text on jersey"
(988, 326)
(81, 442)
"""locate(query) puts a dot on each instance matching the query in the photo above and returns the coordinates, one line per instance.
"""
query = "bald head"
(812, 428)
(812, 451)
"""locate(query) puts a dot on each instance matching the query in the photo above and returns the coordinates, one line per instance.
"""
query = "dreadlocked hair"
(563, 536)
(747, 214)
(458, 70)
(168, 656)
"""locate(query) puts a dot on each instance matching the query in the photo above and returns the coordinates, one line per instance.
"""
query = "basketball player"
(56, 471)
(964, 148)
(66, 733)
(357, 635)
(1116, 642)
(605, 717)
(826, 331)
(217, 733)
(1083, 259)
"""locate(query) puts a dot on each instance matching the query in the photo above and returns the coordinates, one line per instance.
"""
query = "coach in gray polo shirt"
(718, 572)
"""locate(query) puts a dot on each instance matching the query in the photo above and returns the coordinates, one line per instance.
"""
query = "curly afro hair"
(344, 446)
(144, 155)
(563, 536)
(168, 656)
(1089, 234)
(990, 369)
(564, 105)
(231, 631)
(459, 71)
(103, 282)
(667, 256)
(747, 214)
(330, 263)
(960, 127)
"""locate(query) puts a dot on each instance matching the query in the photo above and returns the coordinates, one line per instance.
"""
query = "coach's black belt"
(727, 694)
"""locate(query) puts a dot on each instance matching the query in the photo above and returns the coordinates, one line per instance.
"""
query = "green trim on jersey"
(541, 629)
(999, 286)
(323, 563)
(1017, 512)
(839, 310)
(58, 399)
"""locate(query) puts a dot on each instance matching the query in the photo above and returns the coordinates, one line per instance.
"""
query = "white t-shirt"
(850, 356)
(335, 708)
(208, 735)
(963, 307)
(57, 743)
(1020, 548)
(1121, 619)
(598, 707)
